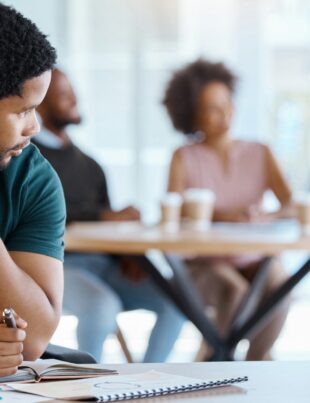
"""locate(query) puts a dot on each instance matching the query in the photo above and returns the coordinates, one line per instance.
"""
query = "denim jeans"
(96, 291)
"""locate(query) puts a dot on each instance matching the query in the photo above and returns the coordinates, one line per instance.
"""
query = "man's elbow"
(34, 351)
(38, 339)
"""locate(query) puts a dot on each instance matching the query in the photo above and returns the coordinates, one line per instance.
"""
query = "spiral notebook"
(123, 387)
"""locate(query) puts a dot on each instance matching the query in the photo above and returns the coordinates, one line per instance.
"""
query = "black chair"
(68, 354)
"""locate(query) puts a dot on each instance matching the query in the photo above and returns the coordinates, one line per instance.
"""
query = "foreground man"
(32, 209)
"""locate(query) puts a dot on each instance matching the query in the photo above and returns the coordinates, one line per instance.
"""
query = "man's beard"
(62, 123)
(3, 165)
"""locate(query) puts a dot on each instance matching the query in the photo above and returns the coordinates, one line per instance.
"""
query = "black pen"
(8, 317)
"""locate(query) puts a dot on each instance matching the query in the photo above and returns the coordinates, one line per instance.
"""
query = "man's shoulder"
(70, 150)
(29, 162)
(90, 161)
(28, 155)
(31, 155)
(31, 174)
(37, 163)
(38, 206)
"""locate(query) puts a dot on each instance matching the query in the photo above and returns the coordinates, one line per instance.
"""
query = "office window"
(120, 55)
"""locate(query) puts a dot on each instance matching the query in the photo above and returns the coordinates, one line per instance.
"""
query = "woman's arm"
(279, 185)
(176, 181)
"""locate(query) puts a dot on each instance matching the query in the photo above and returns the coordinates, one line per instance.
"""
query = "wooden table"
(222, 239)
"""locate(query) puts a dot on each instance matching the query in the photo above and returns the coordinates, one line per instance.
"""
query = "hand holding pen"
(12, 336)
(8, 318)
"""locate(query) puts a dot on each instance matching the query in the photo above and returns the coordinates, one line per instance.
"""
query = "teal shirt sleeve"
(42, 218)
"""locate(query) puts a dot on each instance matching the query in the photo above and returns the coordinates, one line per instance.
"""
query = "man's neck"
(59, 132)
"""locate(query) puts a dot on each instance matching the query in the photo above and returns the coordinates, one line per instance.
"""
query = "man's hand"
(257, 215)
(11, 346)
(253, 214)
(127, 214)
(232, 216)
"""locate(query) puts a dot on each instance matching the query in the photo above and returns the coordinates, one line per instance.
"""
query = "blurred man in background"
(97, 286)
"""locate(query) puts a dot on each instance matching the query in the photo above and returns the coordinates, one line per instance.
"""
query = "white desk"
(276, 382)
(269, 382)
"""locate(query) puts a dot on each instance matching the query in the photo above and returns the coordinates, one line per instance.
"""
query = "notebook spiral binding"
(170, 390)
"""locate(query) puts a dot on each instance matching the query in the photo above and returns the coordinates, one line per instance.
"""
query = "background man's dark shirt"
(83, 181)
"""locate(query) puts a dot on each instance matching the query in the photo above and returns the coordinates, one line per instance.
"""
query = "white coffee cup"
(302, 209)
(170, 206)
(198, 206)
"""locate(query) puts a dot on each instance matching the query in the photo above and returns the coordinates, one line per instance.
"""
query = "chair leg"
(202, 351)
(123, 344)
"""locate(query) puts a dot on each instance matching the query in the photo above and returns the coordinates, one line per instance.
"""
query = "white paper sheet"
(109, 385)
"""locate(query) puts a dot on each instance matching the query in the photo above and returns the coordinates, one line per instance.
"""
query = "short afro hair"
(25, 53)
(183, 91)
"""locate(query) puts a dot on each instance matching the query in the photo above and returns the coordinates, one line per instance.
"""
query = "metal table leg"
(263, 312)
(184, 294)
(253, 297)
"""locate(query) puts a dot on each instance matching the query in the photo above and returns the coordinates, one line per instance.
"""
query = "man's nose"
(33, 128)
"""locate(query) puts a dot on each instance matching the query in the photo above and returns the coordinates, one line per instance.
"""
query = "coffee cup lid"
(172, 198)
(195, 194)
(302, 198)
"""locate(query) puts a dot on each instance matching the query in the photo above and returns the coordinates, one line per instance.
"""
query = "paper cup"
(198, 207)
(171, 211)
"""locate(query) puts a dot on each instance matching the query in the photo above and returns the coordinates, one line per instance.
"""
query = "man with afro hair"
(32, 209)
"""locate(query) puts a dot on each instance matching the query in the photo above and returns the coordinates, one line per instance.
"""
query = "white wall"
(120, 54)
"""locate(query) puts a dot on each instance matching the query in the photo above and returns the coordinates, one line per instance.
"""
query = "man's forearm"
(28, 298)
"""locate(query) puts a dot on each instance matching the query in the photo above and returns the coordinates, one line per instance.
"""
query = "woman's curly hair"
(25, 52)
(184, 89)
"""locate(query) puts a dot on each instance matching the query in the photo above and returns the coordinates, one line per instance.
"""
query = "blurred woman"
(199, 101)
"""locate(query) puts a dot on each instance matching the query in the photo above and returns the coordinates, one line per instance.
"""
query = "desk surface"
(276, 382)
(228, 239)
(269, 382)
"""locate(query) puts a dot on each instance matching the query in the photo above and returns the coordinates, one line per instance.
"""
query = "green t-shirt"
(32, 206)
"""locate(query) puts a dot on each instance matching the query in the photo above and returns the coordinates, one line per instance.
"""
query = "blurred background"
(120, 54)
